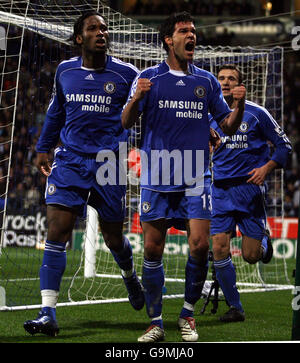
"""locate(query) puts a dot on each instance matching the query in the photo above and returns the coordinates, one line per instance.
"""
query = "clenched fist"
(143, 86)
(239, 93)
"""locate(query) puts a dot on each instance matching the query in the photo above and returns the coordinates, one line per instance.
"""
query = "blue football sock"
(226, 276)
(53, 265)
(124, 257)
(153, 281)
(195, 276)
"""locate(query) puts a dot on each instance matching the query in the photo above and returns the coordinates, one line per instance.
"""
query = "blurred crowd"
(27, 185)
(291, 115)
(208, 7)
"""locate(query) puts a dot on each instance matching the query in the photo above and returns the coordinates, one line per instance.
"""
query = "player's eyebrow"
(229, 77)
(187, 29)
(93, 25)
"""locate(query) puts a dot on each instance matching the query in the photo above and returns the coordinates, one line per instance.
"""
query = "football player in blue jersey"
(173, 99)
(85, 114)
(240, 167)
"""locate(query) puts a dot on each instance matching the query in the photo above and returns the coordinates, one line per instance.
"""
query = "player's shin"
(153, 282)
(226, 276)
(51, 272)
(53, 265)
(124, 258)
(195, 276)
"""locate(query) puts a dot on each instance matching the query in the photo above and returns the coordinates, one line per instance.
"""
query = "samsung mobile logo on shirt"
(235, 141)
(96, 103)
(190, 108)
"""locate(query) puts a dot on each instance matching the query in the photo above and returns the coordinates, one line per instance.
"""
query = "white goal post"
(34, 40)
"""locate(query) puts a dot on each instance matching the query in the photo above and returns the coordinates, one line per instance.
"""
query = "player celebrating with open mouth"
(174, 99)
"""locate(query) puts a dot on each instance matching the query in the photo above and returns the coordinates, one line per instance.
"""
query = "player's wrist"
(241, 104)
(136, 97)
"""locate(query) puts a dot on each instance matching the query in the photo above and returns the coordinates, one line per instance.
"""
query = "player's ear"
(79, 39)
(169, 41)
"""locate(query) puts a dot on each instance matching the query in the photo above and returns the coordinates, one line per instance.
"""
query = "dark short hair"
(234, 68)
(78, 25)
(168, 26)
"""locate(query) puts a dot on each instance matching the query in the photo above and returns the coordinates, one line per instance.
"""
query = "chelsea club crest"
(244, 127)
(109, 87)
(146, 207)
(51, 189)
(200, 91)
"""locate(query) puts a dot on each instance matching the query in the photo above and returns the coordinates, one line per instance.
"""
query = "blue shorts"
(175, 207)
(239, 204)
(73, 183)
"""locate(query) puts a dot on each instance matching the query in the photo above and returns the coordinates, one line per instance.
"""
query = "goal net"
(33, 40)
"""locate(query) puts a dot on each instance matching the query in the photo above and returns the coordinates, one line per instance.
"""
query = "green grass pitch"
(268, 318)
(268, 314)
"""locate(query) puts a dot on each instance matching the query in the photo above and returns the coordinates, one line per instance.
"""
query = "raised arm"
(232, 122)
(131, 113)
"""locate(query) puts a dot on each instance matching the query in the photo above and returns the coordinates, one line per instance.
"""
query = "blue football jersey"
(175, 126)
(85, 109)
(248, 148)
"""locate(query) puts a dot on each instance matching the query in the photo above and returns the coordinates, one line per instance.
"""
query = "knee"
(153, 250)
(113, 241)
(251, 257)
(60, 222)
(154, 239)
(113, 235)
(251, 249)
(199, 246)
(59, 232)
(221, 247)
